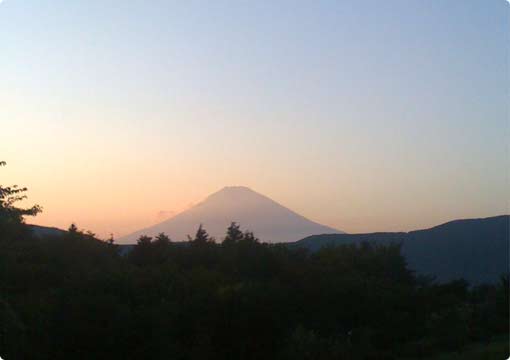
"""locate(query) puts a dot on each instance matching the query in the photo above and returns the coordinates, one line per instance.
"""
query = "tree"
(142, 253)
(201, 237)
(110, 240)
(162, 239)
(11, 216)
(9, 195)
(144, 240)
(249, 237)
(73, 229)
(234, 234)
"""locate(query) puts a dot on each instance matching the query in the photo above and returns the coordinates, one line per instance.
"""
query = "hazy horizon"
(361, 116)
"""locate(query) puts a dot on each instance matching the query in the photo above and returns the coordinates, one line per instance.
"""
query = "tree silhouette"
(201, 237)
(144, 240)
(234, 234)
(162, 239)
(9, 195)
(110, 240)
(73, 229)
(249, 237)
(11, 216)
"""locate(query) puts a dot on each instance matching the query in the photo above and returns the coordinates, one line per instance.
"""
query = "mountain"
(270, 221)
(475, 249)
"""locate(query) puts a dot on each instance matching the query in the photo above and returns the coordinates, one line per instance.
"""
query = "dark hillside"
(475, 249)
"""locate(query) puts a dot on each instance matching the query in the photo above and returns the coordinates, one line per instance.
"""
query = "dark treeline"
(75, 297)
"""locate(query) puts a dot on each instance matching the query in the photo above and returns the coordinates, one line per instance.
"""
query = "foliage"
(75, 297)
(11, 216)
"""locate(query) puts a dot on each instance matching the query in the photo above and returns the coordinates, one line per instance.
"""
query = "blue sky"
(363, 115)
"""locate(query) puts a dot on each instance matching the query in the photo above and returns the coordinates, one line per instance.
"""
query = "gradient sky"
(361, 115)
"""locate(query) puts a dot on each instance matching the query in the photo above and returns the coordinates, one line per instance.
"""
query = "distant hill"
(475, 249)
(43, 231)
(270, 221)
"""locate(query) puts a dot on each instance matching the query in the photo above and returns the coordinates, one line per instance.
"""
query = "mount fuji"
(270, 221)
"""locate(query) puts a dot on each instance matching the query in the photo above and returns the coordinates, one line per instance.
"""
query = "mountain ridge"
(474, 249)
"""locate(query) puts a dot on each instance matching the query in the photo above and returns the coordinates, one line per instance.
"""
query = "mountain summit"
(270, 221)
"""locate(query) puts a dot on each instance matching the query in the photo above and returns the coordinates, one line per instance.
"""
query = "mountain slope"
(270, 221)
(43, 231)
(475, 249)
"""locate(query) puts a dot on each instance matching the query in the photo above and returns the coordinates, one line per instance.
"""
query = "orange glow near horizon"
(107, 206)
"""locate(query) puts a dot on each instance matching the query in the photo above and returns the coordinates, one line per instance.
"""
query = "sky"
(361, 115)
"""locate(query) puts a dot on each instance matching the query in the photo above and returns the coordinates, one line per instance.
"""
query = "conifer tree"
(234, 234)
